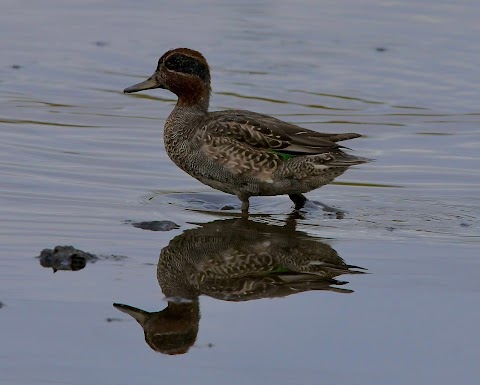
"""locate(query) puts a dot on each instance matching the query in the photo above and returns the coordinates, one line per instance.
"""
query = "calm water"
(80, 162)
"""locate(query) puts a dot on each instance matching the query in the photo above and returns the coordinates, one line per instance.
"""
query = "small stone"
(156, 225)
(380, 49)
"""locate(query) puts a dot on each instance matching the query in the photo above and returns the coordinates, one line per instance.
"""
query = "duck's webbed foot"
(298, 199)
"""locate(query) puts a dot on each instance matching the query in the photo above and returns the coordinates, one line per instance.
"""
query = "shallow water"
(80, 162)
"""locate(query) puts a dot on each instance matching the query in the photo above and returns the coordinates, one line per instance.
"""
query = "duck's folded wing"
(265, 132)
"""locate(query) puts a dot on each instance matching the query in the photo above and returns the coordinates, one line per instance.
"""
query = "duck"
(240, 152)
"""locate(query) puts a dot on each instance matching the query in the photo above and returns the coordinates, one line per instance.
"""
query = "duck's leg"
(245, 203)
(298, 199)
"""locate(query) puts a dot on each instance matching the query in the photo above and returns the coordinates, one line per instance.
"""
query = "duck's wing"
(265, 132)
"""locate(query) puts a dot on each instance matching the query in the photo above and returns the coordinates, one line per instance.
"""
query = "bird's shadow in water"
(237, 259)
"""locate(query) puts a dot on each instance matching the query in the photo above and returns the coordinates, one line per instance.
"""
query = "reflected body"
(234, 260)
(239, 152)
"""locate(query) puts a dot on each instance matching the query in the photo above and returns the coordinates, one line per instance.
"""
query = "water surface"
(80, 162)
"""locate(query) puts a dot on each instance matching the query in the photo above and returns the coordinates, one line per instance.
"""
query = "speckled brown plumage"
(241, 152)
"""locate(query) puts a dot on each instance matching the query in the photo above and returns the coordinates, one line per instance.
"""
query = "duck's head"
(184, 72)
(172, 330)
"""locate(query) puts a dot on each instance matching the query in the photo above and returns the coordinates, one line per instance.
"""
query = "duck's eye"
(187, 65)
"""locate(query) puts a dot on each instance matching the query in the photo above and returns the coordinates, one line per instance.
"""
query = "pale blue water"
(78, 158)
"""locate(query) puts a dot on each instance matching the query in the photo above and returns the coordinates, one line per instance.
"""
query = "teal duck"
(239, 152)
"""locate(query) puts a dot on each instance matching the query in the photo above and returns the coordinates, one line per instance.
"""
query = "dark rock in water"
(65, 258)
(16, 66)
(101, 43)
(71, 259)
(1, 305)
(380, 49)
(463, 224)
(155, 225)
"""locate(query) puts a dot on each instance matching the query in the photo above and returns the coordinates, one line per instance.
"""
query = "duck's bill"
(139, 314)
(148, 84)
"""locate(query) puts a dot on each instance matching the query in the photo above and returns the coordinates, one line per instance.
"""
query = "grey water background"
(78, 159)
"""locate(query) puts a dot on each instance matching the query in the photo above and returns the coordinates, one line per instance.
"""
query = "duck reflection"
(234, 260)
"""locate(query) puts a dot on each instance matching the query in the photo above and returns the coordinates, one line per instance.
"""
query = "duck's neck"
(178, 123)
(195, 95)
(198, 102)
